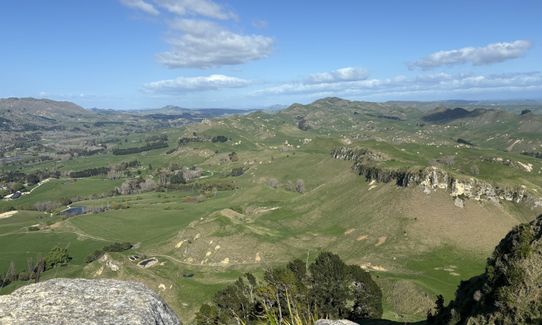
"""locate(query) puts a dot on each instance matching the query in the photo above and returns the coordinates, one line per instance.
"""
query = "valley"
(416, 193)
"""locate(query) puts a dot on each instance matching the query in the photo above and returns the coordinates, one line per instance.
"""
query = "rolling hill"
(373, 182)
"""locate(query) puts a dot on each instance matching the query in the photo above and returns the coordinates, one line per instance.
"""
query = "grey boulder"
(85, 302)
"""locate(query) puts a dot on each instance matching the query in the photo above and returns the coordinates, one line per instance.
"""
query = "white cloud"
(204, 8)
(141, 5)
(339, 75)
(203, 44)
(200, 43)
(435, 83)
(492, 53)
(190, 84)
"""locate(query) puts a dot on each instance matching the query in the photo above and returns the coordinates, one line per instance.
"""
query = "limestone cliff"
(81, 302)
(432, 178)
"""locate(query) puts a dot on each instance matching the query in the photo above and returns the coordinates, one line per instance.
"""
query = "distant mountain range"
(30, 114)
(27, 114)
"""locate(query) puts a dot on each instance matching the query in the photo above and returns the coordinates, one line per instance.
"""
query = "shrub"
(237, 171)
(300, 186)
(233, 156)
(273, 183)
(118, 247)
(24, 276)
(219, 138)
(94, 256)
(57, 256)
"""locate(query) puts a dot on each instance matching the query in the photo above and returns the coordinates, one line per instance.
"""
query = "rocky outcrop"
(356, 154)
(509, 290)
(431, 179)
(334, 322)
(80, 301)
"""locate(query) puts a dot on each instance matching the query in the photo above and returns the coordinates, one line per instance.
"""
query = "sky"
(132, 54)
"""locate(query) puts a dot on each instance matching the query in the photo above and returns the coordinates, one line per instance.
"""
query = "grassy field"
(415, 245)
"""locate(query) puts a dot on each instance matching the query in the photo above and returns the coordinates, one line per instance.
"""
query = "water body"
(73, 211)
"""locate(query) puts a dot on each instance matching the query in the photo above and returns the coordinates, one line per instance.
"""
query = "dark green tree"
(208, 315)
(236, 302)
(328, 288)
(330, 285)
(57, 256)
(367, 296)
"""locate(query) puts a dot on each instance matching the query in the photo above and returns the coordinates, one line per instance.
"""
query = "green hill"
(372, 182)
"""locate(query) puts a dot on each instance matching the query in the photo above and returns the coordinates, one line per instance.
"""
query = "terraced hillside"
(419, 202)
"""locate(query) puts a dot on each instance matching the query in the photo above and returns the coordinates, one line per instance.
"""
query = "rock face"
(432, 178)
(80, 301)
(510, 289)
(334, 322)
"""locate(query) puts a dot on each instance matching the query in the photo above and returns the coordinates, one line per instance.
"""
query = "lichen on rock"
(81, 302)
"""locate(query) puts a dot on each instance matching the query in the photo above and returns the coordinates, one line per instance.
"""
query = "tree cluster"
(152, 144)
(198, 138)
(136, 185)
(56, 257)
(297, 294)
(298, 186)
(90, 172)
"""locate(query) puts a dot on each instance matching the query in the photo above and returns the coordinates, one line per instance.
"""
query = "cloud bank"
(190, 84)
(204, 8)
(489, 54)
(339, 75)
(436, 83)
(141, 5)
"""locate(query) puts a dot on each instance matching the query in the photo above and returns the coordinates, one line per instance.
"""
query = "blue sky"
(129, 54)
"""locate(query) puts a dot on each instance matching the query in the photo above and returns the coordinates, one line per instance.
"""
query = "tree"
(475, 170)
(299, 268)
(32, 179)
(233, 156)
(219, 138)
(148, 185)
(281, 292)
(94, 256)
(300, 186)
(57, 256)
(208, 315)
(237, 301)
(330, 285)
(118, 247)
(290, 186)
(237, 171)
(11, 274)
(273, 182)
(40, 268)
(441, 314)
(367, 295)
(23, 276)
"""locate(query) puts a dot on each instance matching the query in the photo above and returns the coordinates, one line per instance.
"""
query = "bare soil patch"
(8, 214)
